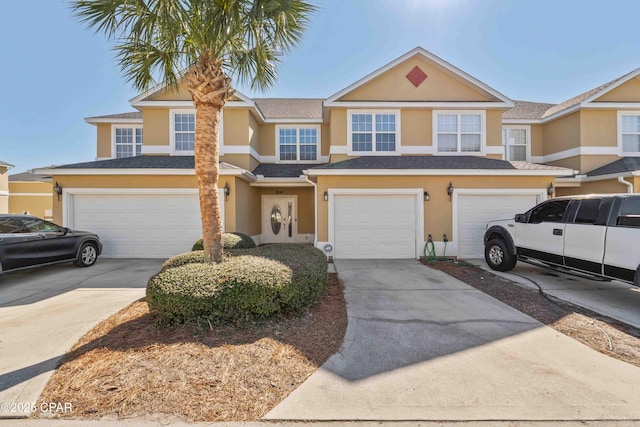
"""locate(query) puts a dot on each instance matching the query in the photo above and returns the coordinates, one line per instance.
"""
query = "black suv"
(27, 241)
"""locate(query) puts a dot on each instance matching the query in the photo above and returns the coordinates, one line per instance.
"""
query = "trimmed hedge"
(230, 241)
(250, 284)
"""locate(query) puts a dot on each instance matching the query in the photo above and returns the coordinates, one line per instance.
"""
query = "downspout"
(627, 183)
(315, 211)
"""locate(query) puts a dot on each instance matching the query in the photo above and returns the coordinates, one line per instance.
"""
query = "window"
(552, 211)
(35, 225)
(515, 141)
(127, 141)
(9, 225)
(459, 132)
(629, 132)
(184, 131)
(374, 132)
(588, 211)
(298, 143)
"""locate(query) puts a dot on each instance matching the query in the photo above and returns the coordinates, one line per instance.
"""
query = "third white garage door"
(476, 209)
(137, 224)
(374, 226)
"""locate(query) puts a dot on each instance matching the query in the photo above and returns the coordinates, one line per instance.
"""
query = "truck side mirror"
(521, 218)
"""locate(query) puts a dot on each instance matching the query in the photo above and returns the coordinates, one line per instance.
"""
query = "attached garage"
(472, 209)
(138, 223)
(369, 224)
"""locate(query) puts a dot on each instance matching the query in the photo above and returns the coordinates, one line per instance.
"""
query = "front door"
(279, 219)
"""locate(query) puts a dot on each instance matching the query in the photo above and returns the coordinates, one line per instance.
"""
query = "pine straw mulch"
(128, 367)
(602, 333)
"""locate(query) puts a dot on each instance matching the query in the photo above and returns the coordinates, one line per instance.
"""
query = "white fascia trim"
(138, 171)
(373, 112)
(422, 52)
(583, 178)
(616, 105)
(577, 151)
(521, 121)
(156, 149)
(4, 193)
(338, 149)
(561, 113)
(281, 182)
(437, 172)
(103, 158)
(292, 121)
(188, 104)
(417, 104)
(609, 88)
(483, 133)
(113, 120)
(30, 194)
(417, 192)
(492, 149)
(416, 149)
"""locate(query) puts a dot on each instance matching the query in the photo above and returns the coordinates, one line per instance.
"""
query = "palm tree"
(202, 42)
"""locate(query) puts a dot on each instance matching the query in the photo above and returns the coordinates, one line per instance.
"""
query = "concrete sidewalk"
(44, 312)
(421, 345)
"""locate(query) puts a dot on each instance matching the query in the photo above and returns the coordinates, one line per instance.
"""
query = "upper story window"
(127, 141)
(373, 132)
(184, 131)
(516, 142)
(298, 143)
(629, 132)
(459, 132)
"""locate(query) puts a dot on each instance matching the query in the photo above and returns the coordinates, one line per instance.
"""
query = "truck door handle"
(557, 232)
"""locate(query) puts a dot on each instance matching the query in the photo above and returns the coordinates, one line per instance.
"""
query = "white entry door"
(279, 219)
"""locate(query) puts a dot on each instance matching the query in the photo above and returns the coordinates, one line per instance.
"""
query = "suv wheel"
(87, 255)
(497, 255)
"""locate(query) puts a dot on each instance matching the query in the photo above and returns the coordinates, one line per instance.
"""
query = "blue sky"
(55, 72)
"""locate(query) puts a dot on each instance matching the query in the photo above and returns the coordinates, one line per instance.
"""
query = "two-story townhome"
(417, 148)
(4, 186)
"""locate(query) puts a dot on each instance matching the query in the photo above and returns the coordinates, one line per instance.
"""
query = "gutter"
(629, 185)
(315, 195)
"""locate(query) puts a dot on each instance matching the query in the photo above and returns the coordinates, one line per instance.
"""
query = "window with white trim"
(514, 141)
(298, 143)
(184, 131)
(374, 132)
(629, 132)
(458, 132)
(127, 141)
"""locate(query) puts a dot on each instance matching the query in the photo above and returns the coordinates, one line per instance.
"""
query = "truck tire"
(497, 255)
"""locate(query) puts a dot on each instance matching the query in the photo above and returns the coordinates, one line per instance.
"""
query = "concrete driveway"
(421, 345)
(614, 299)
(44, 312)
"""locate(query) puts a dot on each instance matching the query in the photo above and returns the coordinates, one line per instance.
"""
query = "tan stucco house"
(4, 186)
(31, 194)
(416, 148)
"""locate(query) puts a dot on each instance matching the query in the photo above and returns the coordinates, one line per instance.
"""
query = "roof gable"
(629, 91)
(444, 83)
(162, 92)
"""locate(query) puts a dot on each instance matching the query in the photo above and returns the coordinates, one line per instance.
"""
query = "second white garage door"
(374, 226)
(475, 210)
(139, 225)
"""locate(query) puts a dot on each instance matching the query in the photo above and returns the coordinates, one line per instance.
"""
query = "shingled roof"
(527, 110)
(419, 162)
(142, 162)
(133, 115)
(289, 108)
(625, 164)
(270, 170)
(28, 177)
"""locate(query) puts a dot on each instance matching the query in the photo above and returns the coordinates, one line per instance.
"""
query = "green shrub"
(240, 288)
(250, 284)
(185, 258)
(230, 241)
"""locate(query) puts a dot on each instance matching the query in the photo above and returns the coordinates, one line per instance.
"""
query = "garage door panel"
(475, 210)
(375, 226)
(139, 225)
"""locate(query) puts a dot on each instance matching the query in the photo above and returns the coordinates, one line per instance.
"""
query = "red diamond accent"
(416, 76)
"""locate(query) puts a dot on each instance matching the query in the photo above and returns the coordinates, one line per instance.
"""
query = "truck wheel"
(87, 255)
(497, 255)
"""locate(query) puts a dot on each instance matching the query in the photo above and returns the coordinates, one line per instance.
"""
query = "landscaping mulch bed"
(129, 367)
(606, 335)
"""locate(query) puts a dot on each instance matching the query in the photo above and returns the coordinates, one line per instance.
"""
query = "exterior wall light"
(426, 196)
(450, 190)
(550, 189)
(326, 196)
(227, 191)
(58, 190)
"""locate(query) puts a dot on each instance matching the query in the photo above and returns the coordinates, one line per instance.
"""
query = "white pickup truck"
(595, 234)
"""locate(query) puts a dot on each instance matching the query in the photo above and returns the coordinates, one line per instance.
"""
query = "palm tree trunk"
(207, 159)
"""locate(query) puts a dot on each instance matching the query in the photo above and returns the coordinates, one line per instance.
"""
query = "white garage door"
(374, 226)
(475, 210)
(139, 225)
